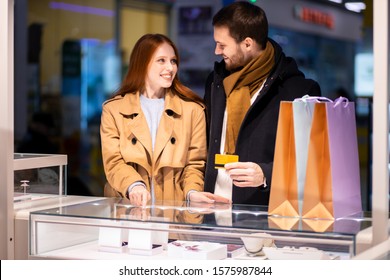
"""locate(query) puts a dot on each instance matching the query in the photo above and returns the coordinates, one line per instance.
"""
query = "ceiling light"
(355, 6)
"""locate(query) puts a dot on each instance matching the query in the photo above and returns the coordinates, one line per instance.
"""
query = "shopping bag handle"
(340, 100)
(337, 102)
(308, 98)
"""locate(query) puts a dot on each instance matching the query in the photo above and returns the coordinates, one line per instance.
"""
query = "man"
(242, 97)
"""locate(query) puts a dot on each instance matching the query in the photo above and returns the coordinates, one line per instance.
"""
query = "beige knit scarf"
(239, 88)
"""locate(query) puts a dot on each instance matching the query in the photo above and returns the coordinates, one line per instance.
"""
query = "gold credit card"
(221, 160)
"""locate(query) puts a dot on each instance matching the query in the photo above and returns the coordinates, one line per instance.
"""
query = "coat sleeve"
(193, 177)
(119, 174)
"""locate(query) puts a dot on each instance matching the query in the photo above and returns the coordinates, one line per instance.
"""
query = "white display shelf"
(28, 161)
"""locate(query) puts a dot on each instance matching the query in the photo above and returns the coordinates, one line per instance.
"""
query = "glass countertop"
(210, 216)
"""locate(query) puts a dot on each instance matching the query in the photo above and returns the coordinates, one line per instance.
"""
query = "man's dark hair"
(243, 20)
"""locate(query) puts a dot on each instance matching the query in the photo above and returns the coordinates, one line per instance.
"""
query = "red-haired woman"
(153, 130)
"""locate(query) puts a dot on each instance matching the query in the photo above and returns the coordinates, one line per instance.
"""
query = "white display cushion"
(234, 250)
(110, 249)
(111, 240)
(197, 250)
(142, 235)
(140, 239)
(156, 249)
(110, 237)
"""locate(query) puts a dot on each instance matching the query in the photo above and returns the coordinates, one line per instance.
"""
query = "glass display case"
(39, 174)
(22, 211)
(111, 228)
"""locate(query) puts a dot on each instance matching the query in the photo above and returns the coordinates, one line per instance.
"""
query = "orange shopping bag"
(290, 159)
(284, 190)
(332, 186)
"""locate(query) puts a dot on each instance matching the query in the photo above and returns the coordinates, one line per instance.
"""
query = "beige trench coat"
(177, 164)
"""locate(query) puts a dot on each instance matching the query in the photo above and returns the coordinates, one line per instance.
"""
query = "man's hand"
(245, 174)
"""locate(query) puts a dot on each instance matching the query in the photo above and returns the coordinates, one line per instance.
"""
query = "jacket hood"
(285, 66)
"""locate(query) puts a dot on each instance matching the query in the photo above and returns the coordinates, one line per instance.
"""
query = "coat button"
(173, 140)
(158, 180)
(134, 140)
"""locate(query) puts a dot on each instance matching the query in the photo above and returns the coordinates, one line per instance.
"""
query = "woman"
(153, 130)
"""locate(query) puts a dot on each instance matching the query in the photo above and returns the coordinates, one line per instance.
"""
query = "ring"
(254, 253)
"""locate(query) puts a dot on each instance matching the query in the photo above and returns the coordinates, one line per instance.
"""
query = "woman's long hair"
(139, 62)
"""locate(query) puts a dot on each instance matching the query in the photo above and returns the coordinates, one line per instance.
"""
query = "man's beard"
(237, 62)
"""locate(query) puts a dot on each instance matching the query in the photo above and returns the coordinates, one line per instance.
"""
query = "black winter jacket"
(256, 139)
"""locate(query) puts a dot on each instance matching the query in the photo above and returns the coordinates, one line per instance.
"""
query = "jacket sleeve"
(315, 89)
(119, 174)
(193, 177)
(207, 101)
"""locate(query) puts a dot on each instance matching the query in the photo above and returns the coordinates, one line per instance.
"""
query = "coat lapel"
(140, 130)
(137, 126)
(164, 134)
(166, 127)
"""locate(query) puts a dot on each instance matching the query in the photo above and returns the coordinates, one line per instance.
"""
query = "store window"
(70, 56)
(328, 61)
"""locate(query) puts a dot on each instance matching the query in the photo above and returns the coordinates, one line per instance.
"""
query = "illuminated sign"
(314, 16)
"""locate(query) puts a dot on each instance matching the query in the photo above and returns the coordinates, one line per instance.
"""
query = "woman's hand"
(207, 197)
(139, 196)
(141, 213)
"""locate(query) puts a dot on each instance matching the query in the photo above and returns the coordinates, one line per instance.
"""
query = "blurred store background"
(70, 55)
